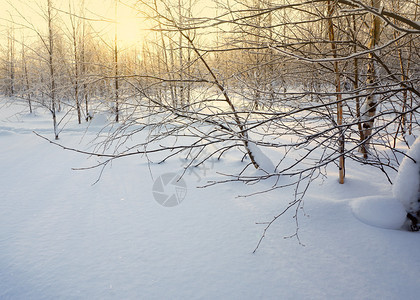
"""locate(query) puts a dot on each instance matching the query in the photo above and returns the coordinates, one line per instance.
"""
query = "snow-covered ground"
(62, 237)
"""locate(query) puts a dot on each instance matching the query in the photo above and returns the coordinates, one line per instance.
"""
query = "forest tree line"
(341, 75)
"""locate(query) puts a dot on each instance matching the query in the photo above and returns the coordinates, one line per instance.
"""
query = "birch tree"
(369, 109)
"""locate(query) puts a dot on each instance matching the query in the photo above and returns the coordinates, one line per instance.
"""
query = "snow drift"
(379, 211)
(407, 184)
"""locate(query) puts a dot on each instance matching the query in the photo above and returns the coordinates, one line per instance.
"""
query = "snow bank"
(99, 119)
(5, 132)
(390, 212)
(379, 211)
(262, 160)
(407, 184)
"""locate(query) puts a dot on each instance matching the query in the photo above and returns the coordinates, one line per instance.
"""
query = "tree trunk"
(341, 165)
(369, 109)
(12, 65)
(76, 66)
(356, 78)
(51, 69)
(116, 65)
(26, 81)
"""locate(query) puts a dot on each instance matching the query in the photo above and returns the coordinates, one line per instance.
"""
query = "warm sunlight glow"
(129, 28)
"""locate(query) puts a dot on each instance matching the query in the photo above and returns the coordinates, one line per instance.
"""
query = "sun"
(130, 30)
(131, 27)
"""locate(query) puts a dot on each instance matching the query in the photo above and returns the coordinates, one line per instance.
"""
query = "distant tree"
(51, 55)
(76, 39)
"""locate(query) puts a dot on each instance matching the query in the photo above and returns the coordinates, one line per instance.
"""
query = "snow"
(407, 185)
(262, 160)
(380, 211)
(62, 237)
(99, 120)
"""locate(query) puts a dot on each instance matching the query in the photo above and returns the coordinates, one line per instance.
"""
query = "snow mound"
(5, 132)
(407, 184)
(410, 139)
(263, 161)
(379, 211)
(99, 119)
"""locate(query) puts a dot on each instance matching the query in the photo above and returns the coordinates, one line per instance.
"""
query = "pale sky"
(131, 27)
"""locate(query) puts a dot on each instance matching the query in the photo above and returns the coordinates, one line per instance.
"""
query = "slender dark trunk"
(26, 83)
(331, 8)
(51, 68)
(116, 65)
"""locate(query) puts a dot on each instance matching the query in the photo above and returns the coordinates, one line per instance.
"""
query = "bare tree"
(74, 33)
(369, 109)
(331, 9)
